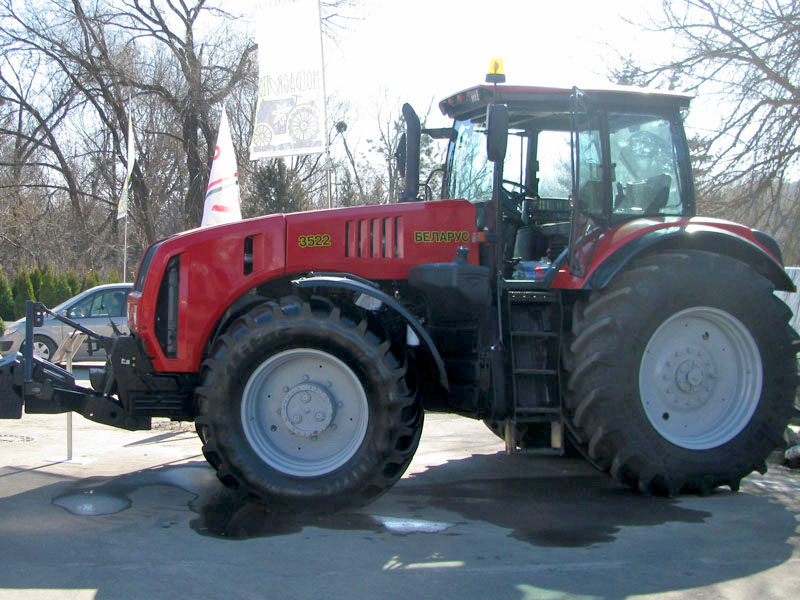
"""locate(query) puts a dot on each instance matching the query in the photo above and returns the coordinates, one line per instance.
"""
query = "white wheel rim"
(304, 412)
(700, 378)
(41, 350)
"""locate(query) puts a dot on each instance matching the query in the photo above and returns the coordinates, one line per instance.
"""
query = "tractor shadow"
(567, 506)
(542, 501)
(546, 505)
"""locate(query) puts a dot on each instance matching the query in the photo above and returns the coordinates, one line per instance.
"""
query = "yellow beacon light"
(495, 74)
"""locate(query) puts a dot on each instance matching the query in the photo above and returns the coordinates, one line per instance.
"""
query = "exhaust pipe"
(412, 154)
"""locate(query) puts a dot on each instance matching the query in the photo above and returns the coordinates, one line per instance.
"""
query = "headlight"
(13, 329)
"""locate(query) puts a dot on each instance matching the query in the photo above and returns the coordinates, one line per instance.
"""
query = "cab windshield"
(471, 173)
(629, 164)
(470, 170)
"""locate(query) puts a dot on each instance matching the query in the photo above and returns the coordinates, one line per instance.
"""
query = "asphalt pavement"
(141, 515)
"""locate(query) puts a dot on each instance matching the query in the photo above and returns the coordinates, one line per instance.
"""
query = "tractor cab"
(576, 164)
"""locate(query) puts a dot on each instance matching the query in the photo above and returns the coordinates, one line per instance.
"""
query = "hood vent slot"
(374, 238)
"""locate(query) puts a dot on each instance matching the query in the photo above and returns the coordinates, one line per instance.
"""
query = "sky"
(417, 50)
(422, 51)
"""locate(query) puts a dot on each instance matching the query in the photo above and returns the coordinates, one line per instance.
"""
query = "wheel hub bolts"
(688, 378)
(308, 409)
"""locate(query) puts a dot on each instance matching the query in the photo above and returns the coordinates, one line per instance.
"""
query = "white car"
(94, 308)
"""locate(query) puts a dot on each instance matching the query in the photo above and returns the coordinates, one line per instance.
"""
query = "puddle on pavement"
(534, 508)
(229, 516)
(222, 512)
(98, 496)
(89, 504)
(558, 511)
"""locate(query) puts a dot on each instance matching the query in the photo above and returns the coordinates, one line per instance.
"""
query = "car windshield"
(106, 303)
(58, 308)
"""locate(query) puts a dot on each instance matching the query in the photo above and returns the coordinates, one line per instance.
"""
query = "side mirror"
(496, 132)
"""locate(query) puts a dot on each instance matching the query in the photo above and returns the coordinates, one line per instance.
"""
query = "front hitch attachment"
(45, 388)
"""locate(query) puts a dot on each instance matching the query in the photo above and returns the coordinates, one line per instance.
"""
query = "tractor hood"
(215, 266)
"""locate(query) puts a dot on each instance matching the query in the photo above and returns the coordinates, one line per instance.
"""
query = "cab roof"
(471, 102)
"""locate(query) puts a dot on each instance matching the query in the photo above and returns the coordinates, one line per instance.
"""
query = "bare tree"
(743, 55)
(69, 78)
(76, 71)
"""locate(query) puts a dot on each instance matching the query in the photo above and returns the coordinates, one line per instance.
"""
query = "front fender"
(357, 284)
(693, 237)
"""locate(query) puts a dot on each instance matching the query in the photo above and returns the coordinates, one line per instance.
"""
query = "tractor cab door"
(628, 162)
(590, 196)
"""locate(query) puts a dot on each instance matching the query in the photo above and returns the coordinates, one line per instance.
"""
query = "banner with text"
(290, 113)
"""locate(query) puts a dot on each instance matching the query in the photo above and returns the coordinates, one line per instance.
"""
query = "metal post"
(69, 414)
(69, 436)
(125, 251)
(28, 351)
(66, 353)
(329, 176)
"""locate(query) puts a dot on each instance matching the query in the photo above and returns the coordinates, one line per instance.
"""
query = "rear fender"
(694, 237)
(352, 283)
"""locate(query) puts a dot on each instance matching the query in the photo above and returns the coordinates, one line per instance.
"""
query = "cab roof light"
(468, 96)
(495, 74)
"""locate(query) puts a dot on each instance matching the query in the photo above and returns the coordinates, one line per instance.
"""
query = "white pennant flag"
(122, 207)
(222, 195)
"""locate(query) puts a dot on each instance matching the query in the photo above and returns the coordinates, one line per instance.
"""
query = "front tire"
(306, 407)
(683, 373)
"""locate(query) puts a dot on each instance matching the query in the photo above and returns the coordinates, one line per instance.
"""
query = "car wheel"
(43, 347)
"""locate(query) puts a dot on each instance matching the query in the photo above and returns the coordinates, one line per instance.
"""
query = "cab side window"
(646, 178)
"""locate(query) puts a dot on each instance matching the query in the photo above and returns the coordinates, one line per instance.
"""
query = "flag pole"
(122, 205)
(125, 253)
(328, 169)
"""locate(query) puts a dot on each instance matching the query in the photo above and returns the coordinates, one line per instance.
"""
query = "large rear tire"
(306, 407)
(683, 373)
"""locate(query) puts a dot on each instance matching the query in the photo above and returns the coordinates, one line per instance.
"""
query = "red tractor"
(561, 289)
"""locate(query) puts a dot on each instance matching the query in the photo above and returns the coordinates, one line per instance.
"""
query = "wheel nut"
(297, 419)
(306, 378)
(320, 416)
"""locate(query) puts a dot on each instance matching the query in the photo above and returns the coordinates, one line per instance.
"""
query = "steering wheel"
(519, 190)
(511, 199)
